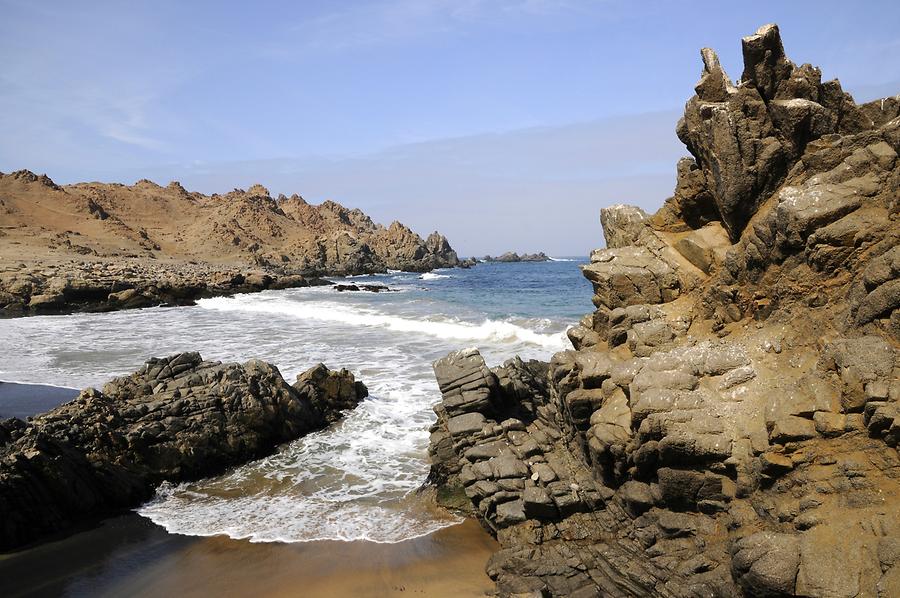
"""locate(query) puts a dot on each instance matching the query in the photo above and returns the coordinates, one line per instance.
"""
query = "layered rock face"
(176, 419)
(727, 424)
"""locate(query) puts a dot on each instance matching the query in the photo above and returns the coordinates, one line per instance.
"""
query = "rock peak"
(258, 190)
(714, 84)
(746, 139)
(765, 64)
(30, 177)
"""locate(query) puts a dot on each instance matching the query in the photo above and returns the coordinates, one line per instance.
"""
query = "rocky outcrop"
(179, 241)
(176, 419)
(512, 256)
(128, 284)
(745, 138)
(726, 425)
(622, 225)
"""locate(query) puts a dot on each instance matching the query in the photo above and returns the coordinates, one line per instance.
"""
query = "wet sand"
(131, 556)
(24, 400)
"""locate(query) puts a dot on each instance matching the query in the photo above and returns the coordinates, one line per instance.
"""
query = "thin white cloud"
(489, 193)
(397, 21)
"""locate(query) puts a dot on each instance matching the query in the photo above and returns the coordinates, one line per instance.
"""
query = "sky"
(505, 124)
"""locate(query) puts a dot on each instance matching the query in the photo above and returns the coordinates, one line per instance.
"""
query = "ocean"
(358, 479)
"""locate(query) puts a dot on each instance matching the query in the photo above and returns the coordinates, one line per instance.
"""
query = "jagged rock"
(765, 65)
(728, 421)
(736, 140)
(330, 392)
(176, 419)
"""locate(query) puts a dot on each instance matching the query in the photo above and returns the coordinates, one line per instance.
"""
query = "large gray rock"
(622, 225)
(728, 421)
(631, 276)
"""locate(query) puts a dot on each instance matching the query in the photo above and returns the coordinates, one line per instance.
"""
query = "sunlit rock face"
(727, 423)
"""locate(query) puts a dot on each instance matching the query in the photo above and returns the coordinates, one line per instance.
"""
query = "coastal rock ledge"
(176, 419)
(727, 423)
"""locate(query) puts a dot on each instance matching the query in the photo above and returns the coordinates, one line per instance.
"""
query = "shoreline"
(67, 287)
(130, 555)
(24, 399)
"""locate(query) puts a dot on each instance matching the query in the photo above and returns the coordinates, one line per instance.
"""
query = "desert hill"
(40, 220)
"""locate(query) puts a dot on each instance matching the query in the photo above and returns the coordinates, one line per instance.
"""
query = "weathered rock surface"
(176, 419)
(130, 283)
(727, 424)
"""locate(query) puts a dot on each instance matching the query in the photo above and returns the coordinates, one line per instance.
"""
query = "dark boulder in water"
(176, 419)
(371, 288)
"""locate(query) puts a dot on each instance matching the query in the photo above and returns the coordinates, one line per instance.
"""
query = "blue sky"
(505, 124)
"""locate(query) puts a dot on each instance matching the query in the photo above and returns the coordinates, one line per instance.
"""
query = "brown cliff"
(70, 247)
(728, 422)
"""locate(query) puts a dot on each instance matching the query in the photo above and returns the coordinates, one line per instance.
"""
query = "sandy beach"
(25, 400)
(130, 556)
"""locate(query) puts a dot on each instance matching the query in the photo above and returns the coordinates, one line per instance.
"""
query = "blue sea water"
(358, 479)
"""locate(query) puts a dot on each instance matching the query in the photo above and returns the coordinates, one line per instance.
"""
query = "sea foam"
(490, 331)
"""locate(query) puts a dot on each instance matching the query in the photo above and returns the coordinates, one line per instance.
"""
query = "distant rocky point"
(511, 256)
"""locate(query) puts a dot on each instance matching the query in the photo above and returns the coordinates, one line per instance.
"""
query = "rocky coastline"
(101, 286)
(176, 419)
(104, 247)
(727, 423)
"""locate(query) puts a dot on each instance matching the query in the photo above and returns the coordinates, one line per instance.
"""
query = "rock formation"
(125, 284)
(512, 256)
(172, 246)
(176, 419)
(249, 227)
(728, 422)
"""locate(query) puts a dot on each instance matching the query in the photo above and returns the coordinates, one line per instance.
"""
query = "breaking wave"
(489, 331)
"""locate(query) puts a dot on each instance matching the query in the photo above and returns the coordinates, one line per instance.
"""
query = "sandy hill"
(43, 221)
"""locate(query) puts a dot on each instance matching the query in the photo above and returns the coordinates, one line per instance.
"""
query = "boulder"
(630, 276)
(766, 564)
(622, 225)
(176, 419)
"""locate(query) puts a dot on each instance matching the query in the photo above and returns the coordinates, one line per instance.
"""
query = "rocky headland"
(176, 419)
(100, 247)
(727, 423)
